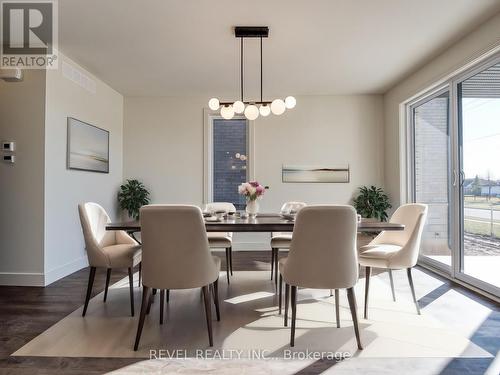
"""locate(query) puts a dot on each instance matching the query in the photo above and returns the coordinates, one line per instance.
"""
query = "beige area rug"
(250, 326)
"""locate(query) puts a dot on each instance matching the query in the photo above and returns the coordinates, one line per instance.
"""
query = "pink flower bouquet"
(251, 190)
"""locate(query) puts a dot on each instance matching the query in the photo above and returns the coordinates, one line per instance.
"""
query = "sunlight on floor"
(249, 297)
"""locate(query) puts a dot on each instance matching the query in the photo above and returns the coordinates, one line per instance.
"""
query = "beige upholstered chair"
(394, 250)
(106, 249)
(282, 240)
(217, 240)
(176, 255)
(322, 256)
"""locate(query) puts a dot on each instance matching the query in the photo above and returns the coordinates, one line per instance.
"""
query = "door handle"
(462, 178)
(454, 183)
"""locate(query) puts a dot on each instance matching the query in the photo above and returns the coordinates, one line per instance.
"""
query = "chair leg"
(216, 298)
(276, 270)
(108, 276)
(231, 260)
(352, 306)
(287, 292)
(337, 307)
(280, 288)
(148, 309)
(272, 262)
(153, 294)
(368, 271)
(294, 314)
(227, 264)
(140, 274)
(392, 285)
(162, 304)
(131, 285)
(410, 280)
(144, 306)
(208, 312)
(168, 295)
(89, 289)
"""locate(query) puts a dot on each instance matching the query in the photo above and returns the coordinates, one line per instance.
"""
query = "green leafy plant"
(132, 196)
(372, 202)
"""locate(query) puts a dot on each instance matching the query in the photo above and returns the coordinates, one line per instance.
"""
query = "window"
(453, 152)
(431, 172)
(229, 160)
(478, 99)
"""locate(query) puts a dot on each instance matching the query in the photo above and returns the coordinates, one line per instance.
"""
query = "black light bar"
(251, 31)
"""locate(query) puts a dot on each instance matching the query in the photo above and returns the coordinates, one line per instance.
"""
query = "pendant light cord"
(261, 69)
(241, 69)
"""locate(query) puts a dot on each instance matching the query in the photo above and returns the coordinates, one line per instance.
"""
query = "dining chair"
(106, 249)
(395, 250)
(217, 240)
(322, 256)
(282, 240)
(176, 255)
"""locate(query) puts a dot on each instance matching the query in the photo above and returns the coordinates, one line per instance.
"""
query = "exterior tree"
(476, 187)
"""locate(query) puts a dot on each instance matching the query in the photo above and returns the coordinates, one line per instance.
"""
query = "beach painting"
(296, 173)
(88, 147)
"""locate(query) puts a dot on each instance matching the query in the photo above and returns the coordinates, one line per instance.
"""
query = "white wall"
(22, 107)
(320, 130)
(468, 48)
(163, 146)
(64, 189)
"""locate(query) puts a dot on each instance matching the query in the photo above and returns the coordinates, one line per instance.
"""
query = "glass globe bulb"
(238, 106)
(251, 112)
(227, 112)
(290, 102)
(278, 106)
(265, 110)
(213, 104)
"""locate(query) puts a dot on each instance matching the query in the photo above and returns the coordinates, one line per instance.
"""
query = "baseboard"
(247, 246)
(252, 241)
(22, 279)
(65, 270)
(251, 246)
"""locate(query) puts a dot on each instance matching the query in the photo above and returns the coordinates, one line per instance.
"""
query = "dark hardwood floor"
(25, 312)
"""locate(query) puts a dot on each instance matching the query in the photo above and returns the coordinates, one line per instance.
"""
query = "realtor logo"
(28, 34)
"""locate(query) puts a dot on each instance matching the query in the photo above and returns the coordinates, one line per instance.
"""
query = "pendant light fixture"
(251, 109)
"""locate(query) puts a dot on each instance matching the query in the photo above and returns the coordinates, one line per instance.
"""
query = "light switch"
(9, 158)
(8, 146)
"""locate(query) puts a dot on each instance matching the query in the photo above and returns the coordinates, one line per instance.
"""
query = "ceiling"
(180, 47)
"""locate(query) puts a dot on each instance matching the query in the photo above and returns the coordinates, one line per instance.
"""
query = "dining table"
(261, 223)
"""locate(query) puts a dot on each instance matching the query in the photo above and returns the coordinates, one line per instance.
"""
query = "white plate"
(212, 219)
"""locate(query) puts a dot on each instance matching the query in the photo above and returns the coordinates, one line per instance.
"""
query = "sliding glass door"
(478, 107)
(431, 174)
(454, 164)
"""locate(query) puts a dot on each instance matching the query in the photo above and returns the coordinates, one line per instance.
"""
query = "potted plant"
(132, 196)
(372, 202)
